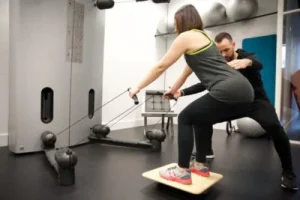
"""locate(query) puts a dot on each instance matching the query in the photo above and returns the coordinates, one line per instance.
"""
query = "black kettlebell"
(48, 138)
(66, 158)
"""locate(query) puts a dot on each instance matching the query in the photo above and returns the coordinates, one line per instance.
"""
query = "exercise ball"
(166, 25)
(249, 127)
(241, 9)
(66, 158)
(215, 14)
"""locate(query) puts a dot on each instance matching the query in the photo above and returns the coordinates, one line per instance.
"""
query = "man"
(261, 110)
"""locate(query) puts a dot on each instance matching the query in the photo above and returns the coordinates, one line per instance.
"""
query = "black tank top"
(223, 82)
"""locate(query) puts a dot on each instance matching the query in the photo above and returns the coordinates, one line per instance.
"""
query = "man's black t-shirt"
(252, 73)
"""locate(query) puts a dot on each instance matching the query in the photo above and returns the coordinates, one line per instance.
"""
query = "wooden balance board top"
(199, 184)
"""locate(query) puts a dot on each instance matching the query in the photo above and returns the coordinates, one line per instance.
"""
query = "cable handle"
(171, 96)
(135, 98)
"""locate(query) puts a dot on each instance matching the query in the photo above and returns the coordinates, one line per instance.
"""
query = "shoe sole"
(184, 182)
(207, 156)
(296, 188)
(195, 171)
(210, 156)
(289, 188)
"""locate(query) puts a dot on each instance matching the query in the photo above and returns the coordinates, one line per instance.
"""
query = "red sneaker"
(200, 170)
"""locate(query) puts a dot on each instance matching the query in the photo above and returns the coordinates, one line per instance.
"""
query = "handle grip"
(171, 96)
(136, 101)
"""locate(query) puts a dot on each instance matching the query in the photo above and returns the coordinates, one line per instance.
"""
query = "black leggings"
(199, 117)
(264, 113)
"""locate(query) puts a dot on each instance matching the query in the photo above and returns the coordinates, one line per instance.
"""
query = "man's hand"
(240, 64)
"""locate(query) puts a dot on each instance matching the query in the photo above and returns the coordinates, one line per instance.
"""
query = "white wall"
(256, 27)
(4, 49)
(130, 50)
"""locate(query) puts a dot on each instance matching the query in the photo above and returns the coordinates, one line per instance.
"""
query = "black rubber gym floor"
(250, 167)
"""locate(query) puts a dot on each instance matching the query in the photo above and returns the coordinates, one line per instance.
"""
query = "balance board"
(199, 184)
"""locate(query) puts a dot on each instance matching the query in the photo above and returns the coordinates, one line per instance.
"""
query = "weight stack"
(55, 77)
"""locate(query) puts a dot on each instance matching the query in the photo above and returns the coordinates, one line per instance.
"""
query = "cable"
(130, 112)
(135, 98)
(88, 115)
(117, 117)
(165, 113)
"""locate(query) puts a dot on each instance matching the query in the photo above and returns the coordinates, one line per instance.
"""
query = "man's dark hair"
(223, 35)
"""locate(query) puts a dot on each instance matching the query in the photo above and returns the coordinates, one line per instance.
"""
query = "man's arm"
(197, 88)
(254, 62)
(249, 61)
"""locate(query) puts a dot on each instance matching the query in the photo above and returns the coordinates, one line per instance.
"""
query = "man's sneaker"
(209, 155)
(175, 174)
(288, 180)
(200, 170)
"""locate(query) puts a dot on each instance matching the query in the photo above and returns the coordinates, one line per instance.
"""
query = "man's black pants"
(264, 113)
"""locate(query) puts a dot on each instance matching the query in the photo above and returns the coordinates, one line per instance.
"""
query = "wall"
(4, 49)
(130, 50)
(239, 31)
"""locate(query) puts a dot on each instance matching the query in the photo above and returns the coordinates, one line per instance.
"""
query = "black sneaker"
(209, 155)
(288, 180)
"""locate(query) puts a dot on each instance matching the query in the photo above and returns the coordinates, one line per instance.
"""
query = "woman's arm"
(178, 48)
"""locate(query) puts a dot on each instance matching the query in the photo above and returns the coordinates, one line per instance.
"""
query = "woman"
(229, 93)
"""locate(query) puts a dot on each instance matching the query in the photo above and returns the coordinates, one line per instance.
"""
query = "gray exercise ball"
(165, 25)
(249, 127)
(215, 14)
(241, 9)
